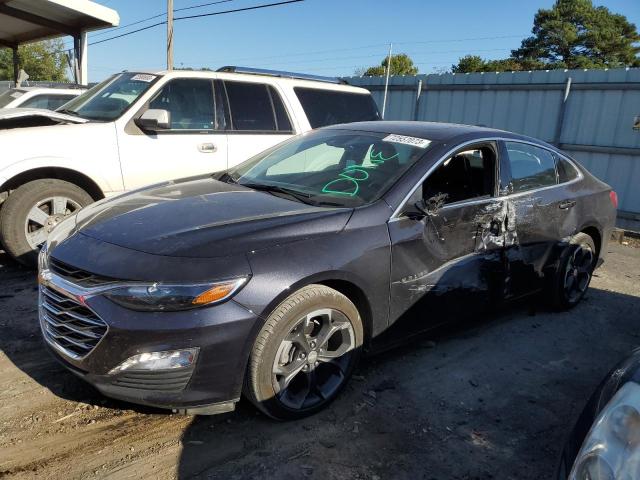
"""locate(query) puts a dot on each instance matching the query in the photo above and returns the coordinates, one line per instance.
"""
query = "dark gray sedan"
(272, 277)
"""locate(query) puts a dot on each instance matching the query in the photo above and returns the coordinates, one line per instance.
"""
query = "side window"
(467, 175)
(189, 102)
(330, 107)
(531, 167)
(56, 101)
(566, 171)
(283, 124)
(251, 107)
(39, 101)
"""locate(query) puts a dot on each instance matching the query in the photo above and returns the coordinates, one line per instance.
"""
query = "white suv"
(137, 128)
(38, 97)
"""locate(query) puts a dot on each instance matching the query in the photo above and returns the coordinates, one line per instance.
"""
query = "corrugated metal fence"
(590, 114)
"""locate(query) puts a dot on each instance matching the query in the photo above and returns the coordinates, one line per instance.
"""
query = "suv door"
(544, 214)
(195, 143)
(258, 119)
(455, 250)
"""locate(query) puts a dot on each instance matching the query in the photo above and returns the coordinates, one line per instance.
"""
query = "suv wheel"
(32, 211)
(304, 354)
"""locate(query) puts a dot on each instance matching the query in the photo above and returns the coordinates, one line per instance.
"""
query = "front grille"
(77, 275)
(161, 381)
(68, 324)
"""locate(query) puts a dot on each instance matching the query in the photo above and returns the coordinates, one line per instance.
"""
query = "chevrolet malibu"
(271, 278)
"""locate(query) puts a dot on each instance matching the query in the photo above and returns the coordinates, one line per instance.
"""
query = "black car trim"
(396, 213)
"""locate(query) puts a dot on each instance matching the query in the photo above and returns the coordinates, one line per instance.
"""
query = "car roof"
(435, 131)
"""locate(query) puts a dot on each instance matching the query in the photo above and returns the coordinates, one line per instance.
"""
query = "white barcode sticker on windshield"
(143, 77)
(413, 141)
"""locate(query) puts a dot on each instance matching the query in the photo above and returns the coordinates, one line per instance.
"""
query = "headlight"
(165, 297)
(611, 450)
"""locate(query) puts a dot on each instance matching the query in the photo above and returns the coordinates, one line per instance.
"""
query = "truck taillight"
(614, 199)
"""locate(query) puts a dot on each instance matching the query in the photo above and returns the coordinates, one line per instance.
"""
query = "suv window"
(566, 171)
(189, 102)
(330, 107)
(256, 107)
(531, 167)
(467, 175)
(49, 101)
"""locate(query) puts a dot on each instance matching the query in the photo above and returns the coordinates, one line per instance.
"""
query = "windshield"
(332, 167)
(9, 96)
(109, 99)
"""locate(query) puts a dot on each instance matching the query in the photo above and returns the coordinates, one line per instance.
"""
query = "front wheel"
(574, 272)
(304, 354)
(32, 211)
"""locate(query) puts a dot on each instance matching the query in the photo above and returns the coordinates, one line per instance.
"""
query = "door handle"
(207, 148)
(567, 204)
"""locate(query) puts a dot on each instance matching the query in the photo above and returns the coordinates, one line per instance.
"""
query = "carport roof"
(23, 21)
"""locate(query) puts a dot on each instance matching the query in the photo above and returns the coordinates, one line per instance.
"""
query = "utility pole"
(169, 34)
(386, 82)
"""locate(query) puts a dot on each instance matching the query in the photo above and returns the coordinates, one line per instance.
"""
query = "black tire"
(261, 380)
(575, 269)
(16, 209)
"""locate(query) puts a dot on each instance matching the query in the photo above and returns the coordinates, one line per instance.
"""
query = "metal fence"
(591, 114)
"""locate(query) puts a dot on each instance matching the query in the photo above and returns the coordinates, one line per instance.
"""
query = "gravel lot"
(492, 397)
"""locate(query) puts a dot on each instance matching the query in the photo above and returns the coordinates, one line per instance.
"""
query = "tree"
(42, 61)
(401, 64)
(571, 34)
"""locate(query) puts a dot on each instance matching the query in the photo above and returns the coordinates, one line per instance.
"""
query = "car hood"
(204, 218)
(13, 117)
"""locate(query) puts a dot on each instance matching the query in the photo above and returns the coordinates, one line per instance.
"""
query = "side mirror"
(154, 120)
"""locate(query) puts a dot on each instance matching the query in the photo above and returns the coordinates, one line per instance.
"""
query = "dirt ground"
(491, 398)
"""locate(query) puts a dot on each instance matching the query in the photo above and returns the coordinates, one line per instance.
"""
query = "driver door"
(195, 143)
(449, 250)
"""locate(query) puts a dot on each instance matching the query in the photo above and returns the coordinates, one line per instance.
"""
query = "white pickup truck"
(138, 128)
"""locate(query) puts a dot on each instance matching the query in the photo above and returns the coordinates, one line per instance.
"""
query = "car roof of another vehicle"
(435, 131)
(252, 77)
(62, 89)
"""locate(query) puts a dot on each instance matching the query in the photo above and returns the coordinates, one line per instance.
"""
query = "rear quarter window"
(566, 171)
(330, 107)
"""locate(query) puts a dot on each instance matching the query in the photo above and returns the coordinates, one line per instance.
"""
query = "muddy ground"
(491, 398)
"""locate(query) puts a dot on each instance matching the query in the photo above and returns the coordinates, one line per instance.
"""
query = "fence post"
(416, 108)
(561, 112)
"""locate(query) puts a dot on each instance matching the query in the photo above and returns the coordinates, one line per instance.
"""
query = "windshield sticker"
(144, 77)
(413, 141)
(348, 182)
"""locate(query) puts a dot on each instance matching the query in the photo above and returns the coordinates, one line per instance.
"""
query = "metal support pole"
(16, 66)
(416, 108)
(386, 82)
(76, 60)
(561, 113)
(169, 34)
(83, 52)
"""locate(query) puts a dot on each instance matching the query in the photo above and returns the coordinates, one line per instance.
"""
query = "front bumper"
(222, 333)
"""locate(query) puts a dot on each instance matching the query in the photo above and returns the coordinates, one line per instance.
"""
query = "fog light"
(158, 360)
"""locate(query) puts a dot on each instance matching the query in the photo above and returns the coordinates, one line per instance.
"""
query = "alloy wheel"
(44, 216)
(312, 360)
(578, 272)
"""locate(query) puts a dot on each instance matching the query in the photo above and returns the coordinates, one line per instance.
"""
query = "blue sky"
(325, 37)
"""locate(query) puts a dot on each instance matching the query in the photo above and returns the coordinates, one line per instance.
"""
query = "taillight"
(614, 199)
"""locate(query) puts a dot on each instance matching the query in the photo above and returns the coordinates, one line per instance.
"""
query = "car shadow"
(524, 382)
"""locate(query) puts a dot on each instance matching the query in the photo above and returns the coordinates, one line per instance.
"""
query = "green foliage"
(42, 61)
(571, 34)
(401, 64)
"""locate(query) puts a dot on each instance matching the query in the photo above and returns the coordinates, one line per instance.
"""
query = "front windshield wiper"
(68, 111)
(300, 196)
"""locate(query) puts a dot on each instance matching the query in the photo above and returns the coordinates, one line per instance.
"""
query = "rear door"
(196, 142)
(258, 119)
(545, 216)
(453, 255)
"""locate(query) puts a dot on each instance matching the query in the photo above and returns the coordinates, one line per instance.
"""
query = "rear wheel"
(574, 272)
(32, 211)
(304, 354)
